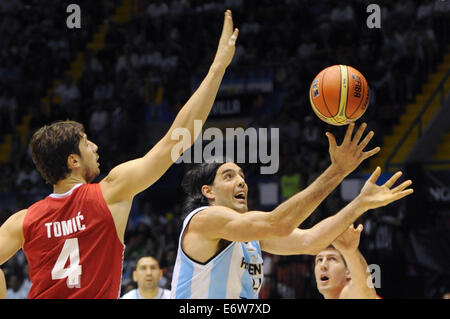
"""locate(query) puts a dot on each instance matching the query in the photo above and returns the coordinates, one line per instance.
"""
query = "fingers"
(393, 179)
(370, 153)
(366, 140)
(359, 133)
(348, 133)
(232, 40)
(402, 194)
(374, 177)
(402, 186)
(227, 29)
(331, 142)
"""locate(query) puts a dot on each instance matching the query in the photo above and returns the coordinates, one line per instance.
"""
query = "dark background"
(137, 70)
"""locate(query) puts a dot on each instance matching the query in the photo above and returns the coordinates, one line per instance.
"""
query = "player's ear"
(134, 276)
(73, 161)
(347, 275)
(208, 192)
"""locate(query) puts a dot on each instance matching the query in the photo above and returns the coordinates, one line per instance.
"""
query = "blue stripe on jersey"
(258, 247)
(246, 280)
(183, 289)
(219, 275)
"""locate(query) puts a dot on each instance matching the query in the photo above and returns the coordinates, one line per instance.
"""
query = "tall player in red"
(73, 239)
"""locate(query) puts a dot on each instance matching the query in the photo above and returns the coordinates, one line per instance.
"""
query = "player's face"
(330, 272)
(89, 159)
(147, 273)
(229, 188)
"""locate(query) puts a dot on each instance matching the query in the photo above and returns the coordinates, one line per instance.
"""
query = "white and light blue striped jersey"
(237, 272)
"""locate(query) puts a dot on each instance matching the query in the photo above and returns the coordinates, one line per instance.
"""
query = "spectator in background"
(67, 91)
(15, 290)
(157, 8)
(27, 175)
(147, 275)
(290, 181)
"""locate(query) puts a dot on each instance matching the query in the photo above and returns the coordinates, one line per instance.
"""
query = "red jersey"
(72, 247)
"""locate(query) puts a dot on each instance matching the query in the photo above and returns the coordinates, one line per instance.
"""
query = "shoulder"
(165, 294)
(17, 218)
(210, 217)
(214, 213)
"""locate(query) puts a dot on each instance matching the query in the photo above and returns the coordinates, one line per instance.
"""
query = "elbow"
(310, 244)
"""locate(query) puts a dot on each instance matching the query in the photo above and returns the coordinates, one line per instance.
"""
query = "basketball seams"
(323, 95)
(334, 90)
(343, 101)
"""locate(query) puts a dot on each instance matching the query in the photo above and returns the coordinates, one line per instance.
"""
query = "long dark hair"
(193, 180)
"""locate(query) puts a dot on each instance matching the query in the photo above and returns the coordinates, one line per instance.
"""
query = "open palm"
(374, 196)
(347, 156)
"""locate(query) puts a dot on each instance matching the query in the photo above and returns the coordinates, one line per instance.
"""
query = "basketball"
(339, 94)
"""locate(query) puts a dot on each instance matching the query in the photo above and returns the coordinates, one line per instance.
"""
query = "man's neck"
(65, 185)
(334, 294)
(149, 293)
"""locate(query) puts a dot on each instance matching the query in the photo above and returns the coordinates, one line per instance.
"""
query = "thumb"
(360, 228)
(232, 40)
(331, 141)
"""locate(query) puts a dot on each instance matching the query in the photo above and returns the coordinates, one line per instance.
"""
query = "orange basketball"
(339, 95)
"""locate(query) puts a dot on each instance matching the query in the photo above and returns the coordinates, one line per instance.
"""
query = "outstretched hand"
(347, 156)
(374, 196)
(227, 47)
(348, 241)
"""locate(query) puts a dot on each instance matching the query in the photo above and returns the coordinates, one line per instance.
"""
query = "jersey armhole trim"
(190, 216)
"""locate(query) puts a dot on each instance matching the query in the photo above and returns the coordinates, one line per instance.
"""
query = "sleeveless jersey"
(236, 272)
(72, 247)
(134, 294)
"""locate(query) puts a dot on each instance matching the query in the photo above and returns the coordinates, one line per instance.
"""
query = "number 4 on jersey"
(73, 272)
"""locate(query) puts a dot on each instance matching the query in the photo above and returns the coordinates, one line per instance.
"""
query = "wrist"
(348, 254)
(361, 203)
(335, 169)
(217, 68)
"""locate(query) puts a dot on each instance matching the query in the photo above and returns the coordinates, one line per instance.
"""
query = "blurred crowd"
(144, 75)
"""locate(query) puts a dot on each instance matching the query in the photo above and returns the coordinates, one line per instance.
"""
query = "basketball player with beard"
(221, 242)
(73, 238)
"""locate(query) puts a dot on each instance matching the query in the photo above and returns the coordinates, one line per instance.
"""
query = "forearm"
(299, 207)
(325, 232)
(200, 103)
(357, 266)
(2, 285)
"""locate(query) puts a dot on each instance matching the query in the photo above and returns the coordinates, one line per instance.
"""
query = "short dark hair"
(193, 180)
(50, 147)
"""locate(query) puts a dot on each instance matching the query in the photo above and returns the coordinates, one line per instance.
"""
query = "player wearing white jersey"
(147, 276)
(235, 272)
(214, 259)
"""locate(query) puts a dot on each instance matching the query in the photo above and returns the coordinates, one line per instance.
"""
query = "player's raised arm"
(313, 240)
(130, 178)
(219, 222)
(347, 243)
